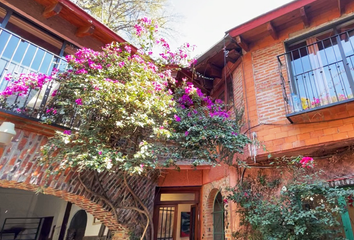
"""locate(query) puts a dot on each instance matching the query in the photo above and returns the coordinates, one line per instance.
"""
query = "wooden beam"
(52, 10)
(85, 31)
(233, 55)
(213, 71)
(242, 43)
(304, 17)
(272, 31)
(341, 7)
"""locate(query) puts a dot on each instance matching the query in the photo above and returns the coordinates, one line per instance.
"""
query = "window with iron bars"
(27, 48)
(318, 70)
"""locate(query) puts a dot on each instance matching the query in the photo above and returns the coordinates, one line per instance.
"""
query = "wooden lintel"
(213, 71)
(52, 10)
(341, 7)
(272, 31)
(242, 43)
(304, 17)
(85, 31)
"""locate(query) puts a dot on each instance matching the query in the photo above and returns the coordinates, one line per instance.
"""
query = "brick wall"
(20, 169)
(264, 105)
(270, 105)
(238, 87)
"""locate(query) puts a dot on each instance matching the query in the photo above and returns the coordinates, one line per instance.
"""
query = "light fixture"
(7, 132)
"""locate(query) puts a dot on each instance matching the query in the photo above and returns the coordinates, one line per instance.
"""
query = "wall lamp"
(7, 132)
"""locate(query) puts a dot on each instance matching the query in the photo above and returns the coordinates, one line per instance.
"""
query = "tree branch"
(147, 213)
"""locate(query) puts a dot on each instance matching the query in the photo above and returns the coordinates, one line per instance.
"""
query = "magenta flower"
(307, 162)
(121, 64)
(67, 132)
(100, 152)
(54, 93)
(177, 118)
(186, 133)
(78, 101)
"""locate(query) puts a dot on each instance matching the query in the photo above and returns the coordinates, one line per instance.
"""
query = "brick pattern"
(209, 192)
(20, 169)
(237, 82)
(269, 95)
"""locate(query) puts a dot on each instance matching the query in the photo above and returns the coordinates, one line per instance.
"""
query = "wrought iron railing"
(319, 74)
(19, 56)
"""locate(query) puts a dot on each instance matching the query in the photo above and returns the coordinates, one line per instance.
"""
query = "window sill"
(332, 111)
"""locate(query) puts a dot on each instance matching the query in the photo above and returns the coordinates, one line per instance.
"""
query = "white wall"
(16, 203)
(181, 208)
(21, 203)
(48, 206)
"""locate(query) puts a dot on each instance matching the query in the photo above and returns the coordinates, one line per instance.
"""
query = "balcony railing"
(319, 74)
(19, 56)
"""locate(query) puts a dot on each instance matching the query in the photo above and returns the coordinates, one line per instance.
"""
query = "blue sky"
(204, 22)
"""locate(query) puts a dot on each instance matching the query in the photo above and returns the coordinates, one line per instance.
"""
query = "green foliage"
(132, 115)
(306, 208)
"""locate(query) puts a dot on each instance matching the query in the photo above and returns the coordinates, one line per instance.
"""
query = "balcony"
(317, 76)
(19, 56)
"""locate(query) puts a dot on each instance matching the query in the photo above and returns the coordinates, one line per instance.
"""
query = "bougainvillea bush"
(298, 205)
(128, 112)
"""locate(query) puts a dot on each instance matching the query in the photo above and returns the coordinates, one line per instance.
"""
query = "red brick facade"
(20, 169)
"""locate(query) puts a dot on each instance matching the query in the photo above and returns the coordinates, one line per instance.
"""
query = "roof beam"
(233, 55)
(52, 10)
(272, 31)
(304, 16)
(85, 31)
(244, 45)
(341, 7)
(213, 71)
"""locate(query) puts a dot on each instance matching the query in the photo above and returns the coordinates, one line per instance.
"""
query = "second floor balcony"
(317, 72)
(20, 56)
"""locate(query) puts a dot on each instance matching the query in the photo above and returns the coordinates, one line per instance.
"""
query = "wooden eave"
(285, 17)
(82, 20)
(212, 62)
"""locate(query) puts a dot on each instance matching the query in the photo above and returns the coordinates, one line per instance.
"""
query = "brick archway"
(20, 169)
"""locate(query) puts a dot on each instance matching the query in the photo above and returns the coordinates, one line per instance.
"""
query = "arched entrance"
(77, 226)
(36, 216)
(218, 218)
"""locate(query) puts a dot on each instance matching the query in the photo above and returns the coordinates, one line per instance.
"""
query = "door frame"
(159, 203)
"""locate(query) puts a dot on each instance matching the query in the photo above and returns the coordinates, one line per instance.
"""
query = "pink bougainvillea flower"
(100, 152)
(67, 132)
(54, 93)
(186, 133)
(307, 162)
(78, 101)
(177, 118)
(225, 201)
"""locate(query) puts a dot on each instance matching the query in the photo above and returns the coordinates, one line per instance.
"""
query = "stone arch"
(20, 169)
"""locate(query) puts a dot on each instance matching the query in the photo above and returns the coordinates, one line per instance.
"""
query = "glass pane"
(177, 197)
(319, 72)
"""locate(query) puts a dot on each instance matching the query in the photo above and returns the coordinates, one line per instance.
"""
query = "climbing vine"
(294, 205)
